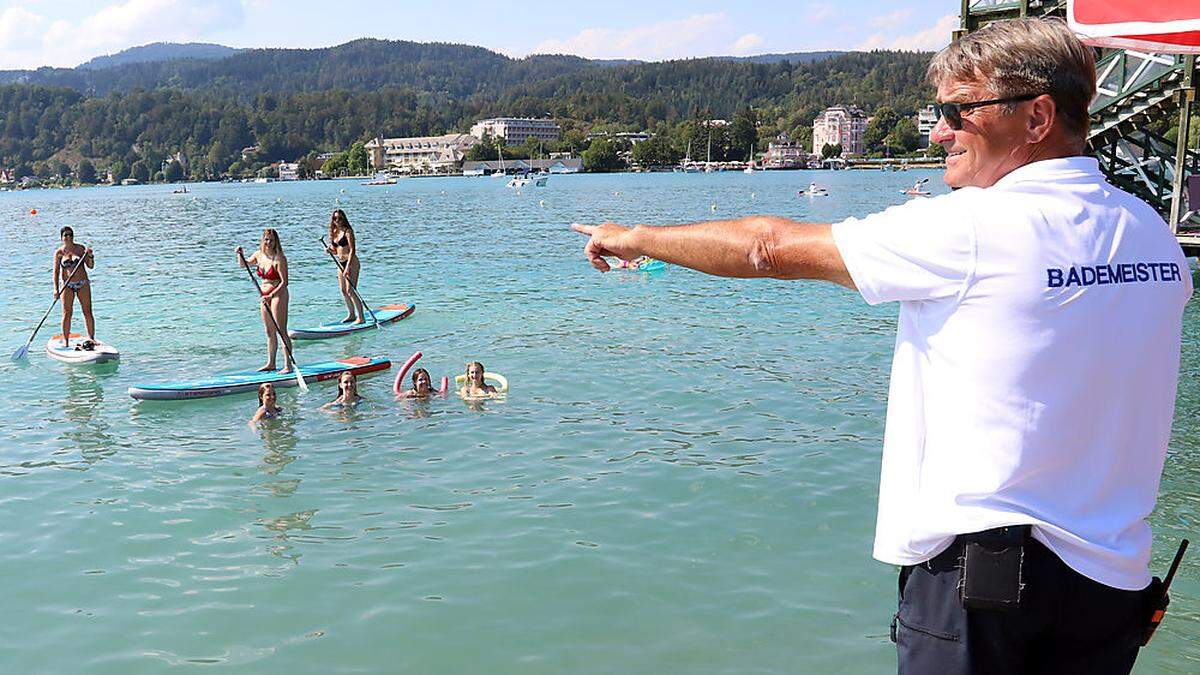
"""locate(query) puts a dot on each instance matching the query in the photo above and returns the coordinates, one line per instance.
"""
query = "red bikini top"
(270, 274)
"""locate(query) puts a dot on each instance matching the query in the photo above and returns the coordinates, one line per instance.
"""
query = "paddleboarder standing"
(344, 248)
(272, 269)
(1035, 369)
(70, 266)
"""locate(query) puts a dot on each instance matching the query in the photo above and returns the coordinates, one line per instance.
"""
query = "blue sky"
(67, 32)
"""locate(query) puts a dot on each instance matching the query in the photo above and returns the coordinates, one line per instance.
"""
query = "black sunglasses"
(953, 111)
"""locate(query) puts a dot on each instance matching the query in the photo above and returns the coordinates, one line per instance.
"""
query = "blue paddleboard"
(384, 315)
(248, 380)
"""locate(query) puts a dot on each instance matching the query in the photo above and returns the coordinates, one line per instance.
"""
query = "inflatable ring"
(500, 380)
(398, 385)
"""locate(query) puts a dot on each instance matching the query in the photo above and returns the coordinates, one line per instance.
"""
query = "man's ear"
(1042, 111)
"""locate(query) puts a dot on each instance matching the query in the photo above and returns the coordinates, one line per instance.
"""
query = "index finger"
(584, 229)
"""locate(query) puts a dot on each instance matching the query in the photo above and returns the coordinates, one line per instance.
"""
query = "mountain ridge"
(363, 64)
(159, 51)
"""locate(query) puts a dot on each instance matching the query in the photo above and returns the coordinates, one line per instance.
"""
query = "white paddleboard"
(75, 353)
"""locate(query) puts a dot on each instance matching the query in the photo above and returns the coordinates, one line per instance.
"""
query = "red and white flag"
(1163, 26)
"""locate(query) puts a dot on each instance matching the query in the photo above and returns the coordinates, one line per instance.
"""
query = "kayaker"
(71, 282)
(1035, 370)
(272, 269)
(343, 246)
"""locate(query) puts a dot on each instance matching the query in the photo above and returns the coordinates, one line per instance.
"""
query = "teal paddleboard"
(383, 315)
(249, 380)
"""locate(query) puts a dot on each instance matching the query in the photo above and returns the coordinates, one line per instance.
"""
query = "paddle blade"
(20, 353)
(300, 380)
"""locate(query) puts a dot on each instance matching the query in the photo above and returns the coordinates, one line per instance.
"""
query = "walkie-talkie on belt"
(1160, 598)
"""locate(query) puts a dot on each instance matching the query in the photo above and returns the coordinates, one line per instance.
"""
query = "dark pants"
(1067, 623)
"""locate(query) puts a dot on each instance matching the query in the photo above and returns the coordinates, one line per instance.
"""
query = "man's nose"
(941, 131)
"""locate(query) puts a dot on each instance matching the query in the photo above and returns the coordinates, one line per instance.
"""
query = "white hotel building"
(516, 129)
(843, 125)
(421, 154)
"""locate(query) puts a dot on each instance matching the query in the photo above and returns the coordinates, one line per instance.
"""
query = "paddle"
(20, 353)
(282, 336)
(352, 287)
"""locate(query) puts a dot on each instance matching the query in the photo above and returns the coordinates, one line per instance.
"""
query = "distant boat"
(381, 178)
(501, 172)
(525, 180)
(750, 167)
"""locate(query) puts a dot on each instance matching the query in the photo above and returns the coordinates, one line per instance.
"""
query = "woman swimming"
(267, 410)
(347, 391)
(71, 281)
(422, 385)
(272, 268)
(343, 247)
(475, 387)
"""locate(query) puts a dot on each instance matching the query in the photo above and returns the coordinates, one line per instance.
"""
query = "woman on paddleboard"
(347, 392)
(271, 266)
(71, 281)
(267, 410)
(342, 246)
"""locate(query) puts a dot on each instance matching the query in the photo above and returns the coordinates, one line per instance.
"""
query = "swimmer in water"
(635, 263)
(267, 410)
(475, 387)
(347, 392)
(422, 385)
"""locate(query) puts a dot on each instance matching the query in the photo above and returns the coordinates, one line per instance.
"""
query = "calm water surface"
(682, 480)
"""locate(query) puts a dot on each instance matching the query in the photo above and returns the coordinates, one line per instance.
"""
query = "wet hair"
(341, 389)
(262, 392)
(475, 363)
(427, 376)
(274, 235)
(65, 231)
(338, 219)
(1025, 56)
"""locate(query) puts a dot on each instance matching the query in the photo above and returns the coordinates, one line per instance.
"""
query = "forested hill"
(290, 103)
(361, 65)
(160, 51)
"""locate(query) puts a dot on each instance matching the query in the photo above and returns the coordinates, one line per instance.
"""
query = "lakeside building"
(784, 153)
(552, 165)
(289, 171)
(420, 154)
(843, 125)
(634, 137)
(516, 129)
(177, 157)
(927, 118)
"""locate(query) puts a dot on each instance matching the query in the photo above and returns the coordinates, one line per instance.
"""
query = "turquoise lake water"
(683, 478)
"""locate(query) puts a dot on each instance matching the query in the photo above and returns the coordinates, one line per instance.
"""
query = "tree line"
(49, 131)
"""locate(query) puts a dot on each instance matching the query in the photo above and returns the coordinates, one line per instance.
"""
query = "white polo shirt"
(1037, 357)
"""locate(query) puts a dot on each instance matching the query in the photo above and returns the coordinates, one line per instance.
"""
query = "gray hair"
(1025, 56)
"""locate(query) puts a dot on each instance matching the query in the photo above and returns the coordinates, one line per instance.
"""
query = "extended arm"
(755, 246)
